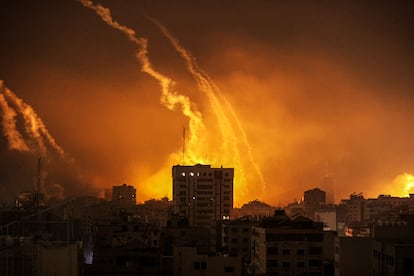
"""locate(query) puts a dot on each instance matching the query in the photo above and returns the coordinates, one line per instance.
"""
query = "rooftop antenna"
(183, 145)
(39, 182)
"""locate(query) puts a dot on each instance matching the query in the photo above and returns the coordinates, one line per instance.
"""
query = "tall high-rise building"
(202, 194)
(124, 195)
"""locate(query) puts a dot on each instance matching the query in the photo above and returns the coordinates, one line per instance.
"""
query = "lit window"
(194, 197)
(191, 174)
(183, 173)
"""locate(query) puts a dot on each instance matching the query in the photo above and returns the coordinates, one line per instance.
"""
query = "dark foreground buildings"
(200, 233)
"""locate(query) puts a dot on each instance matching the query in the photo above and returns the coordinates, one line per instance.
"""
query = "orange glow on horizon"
(403, 185)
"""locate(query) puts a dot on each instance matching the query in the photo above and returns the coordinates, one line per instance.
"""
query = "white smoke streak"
(207, 86)
(170, 98)
(13, 136)
(33, 124)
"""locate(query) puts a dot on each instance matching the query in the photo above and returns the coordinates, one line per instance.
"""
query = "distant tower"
(328, 185)
(203, 194)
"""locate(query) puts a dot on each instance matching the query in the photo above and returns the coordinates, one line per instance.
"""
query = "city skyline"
(280, 95)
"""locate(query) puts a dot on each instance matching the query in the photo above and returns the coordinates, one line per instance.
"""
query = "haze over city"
(283, 92)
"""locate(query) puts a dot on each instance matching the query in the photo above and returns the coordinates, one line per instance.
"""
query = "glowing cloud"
(207, 86)
(403, 185)
(170, 98)
(233, 137)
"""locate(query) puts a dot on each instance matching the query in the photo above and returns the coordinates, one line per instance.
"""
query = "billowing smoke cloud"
(37, 141)
(309, 95)
(34, 125)
(197, 144)
(170, 97)
(229, 136)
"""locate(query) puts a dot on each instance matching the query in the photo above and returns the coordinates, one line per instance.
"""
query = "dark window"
(228, 269)
(196, 265)
(271, 263)
(315, 250)
(315, 263)
(286, 251)
(315, 237)
(203, 265)
(300, 252)
(272, 250)
(300, 264)
(285, 264)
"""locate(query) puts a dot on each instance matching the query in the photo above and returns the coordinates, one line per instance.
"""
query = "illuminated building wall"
(202, 194)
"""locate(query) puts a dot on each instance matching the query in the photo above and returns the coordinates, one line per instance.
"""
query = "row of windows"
(288, 274)
(315, 250)
(235, 240)
(202, 174)
(275, 263)
(385, 258)
(294, 237)
(235, 229)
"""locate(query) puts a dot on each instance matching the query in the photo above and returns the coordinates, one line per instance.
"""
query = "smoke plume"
(14, 137)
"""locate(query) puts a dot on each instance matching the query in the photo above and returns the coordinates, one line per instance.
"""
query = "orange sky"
(314, 86)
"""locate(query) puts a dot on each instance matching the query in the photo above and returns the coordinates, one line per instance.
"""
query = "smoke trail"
(207, 86)
(170, 98)
(13, 136)
(34, 125)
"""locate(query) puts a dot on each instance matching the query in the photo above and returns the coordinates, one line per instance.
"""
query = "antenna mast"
(39, 182)
(183, 145)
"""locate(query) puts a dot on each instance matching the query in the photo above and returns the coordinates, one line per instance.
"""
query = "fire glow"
(199, 148)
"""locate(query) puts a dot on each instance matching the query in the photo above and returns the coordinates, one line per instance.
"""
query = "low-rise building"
(188, 262)
(287, 246)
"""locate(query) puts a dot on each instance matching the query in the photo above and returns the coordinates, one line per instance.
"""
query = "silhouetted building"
(236, 237)
(124, 195)
(328, 184)
(313, 200)
(188, 262)
(254, 209)
(202, 194)
(353, 256)
(393, 247)
(287, 246)
(355, 208)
